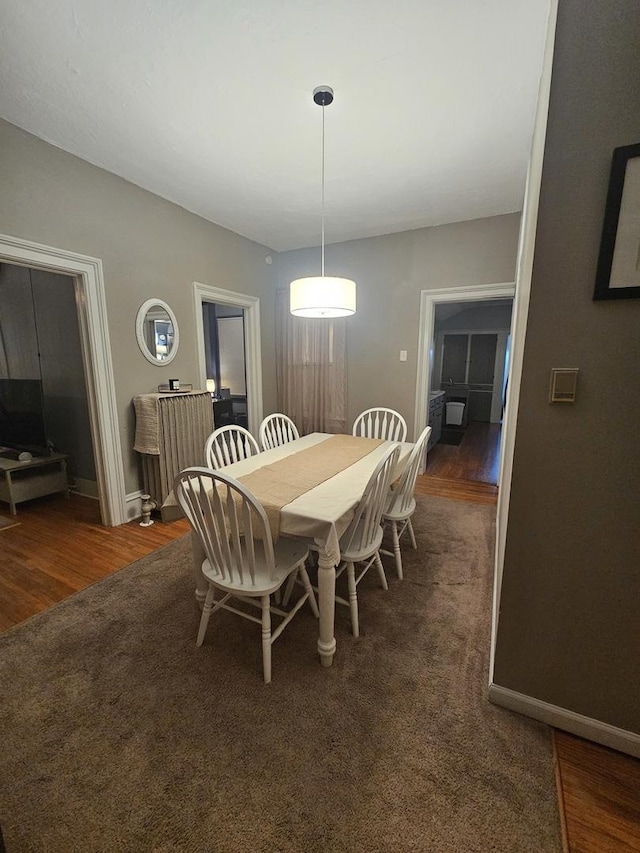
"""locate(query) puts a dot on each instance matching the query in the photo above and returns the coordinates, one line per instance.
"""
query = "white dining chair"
(401, 504)
(241, 560)
(386, 424)
(275, 430)
(229, 444)
(360, 542)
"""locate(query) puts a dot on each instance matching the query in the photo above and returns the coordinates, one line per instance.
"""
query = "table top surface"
(34, 462)
(324, 512)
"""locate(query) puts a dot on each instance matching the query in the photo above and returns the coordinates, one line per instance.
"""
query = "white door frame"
(96, 356)
(252, 346)
(524, 272)
(426, 339)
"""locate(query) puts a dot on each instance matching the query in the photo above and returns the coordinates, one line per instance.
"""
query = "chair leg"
(309, 590)
(411, 534)
(288, 589)
(353, 599)
(206, 613)
(396, 548)
(266, 638)
(380, 568)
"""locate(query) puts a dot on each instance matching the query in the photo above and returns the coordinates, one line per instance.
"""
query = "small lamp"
(211, 387)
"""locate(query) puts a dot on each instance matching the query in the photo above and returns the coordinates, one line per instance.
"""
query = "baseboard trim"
(133, 505)
(569, 721)
(86, 488)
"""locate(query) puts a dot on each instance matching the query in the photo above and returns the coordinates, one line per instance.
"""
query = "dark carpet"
(120, 735)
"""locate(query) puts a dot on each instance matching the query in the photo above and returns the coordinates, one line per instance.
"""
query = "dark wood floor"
(468, 471)
(476, 458)
(599, 796)
(60, 547)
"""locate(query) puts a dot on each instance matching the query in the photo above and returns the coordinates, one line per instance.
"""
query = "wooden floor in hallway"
(59, 547)
(467, 471)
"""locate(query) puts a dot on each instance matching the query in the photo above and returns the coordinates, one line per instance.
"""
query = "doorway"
(43, 392)
(462, 376)
(225, 357)
(91, 311)
(237, 326)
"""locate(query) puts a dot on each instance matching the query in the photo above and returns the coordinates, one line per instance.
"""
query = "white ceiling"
(208, 103)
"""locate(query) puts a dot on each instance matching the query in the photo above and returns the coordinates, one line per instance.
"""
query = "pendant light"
(322, 296)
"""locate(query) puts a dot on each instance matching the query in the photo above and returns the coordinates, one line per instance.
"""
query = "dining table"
(319, 515)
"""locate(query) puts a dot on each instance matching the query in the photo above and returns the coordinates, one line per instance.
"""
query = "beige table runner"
(281, 482)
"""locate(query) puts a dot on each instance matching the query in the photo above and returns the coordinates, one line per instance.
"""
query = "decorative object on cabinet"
(618, 272)
(185, 388)
(171, 430)
(157, 331)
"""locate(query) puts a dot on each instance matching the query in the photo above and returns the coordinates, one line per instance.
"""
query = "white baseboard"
(133, 505)
(569, 721)
(86, 488)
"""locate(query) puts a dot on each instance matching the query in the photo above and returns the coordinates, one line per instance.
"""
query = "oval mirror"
(157, 331)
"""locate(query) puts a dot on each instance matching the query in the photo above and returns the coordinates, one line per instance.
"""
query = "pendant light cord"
(322, 256)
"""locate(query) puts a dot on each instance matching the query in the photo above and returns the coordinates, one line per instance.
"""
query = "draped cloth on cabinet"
(311, 370)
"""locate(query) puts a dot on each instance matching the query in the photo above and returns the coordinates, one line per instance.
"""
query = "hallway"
(468, 471)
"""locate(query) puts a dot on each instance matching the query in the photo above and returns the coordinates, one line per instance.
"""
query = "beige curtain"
(311, 367)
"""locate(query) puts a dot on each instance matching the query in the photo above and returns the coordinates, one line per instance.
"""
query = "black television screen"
(22, 425)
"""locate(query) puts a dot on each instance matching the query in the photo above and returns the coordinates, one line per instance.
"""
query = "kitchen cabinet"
(436, 414)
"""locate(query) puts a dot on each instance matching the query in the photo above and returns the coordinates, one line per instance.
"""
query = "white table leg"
(327, 606)
(202, 587)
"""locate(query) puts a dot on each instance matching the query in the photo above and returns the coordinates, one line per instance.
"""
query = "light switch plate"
(563, 385)
(403, 355)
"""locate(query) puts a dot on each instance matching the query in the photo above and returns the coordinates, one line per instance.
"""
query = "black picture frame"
(615, 230)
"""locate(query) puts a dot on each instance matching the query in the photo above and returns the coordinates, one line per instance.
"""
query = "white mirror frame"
(140, 318)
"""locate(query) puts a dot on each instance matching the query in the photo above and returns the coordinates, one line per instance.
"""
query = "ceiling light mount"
(322, 296)
(323, 96)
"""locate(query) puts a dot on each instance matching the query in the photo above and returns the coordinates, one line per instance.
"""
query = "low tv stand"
(7, 453)
(24, 481)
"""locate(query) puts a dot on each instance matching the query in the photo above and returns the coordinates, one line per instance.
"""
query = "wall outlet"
(403, 355)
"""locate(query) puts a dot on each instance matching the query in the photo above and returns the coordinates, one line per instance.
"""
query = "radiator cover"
(184, 423)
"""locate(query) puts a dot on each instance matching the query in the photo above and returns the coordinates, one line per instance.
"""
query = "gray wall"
(390, 272)
(149, 248)
(569, 612)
